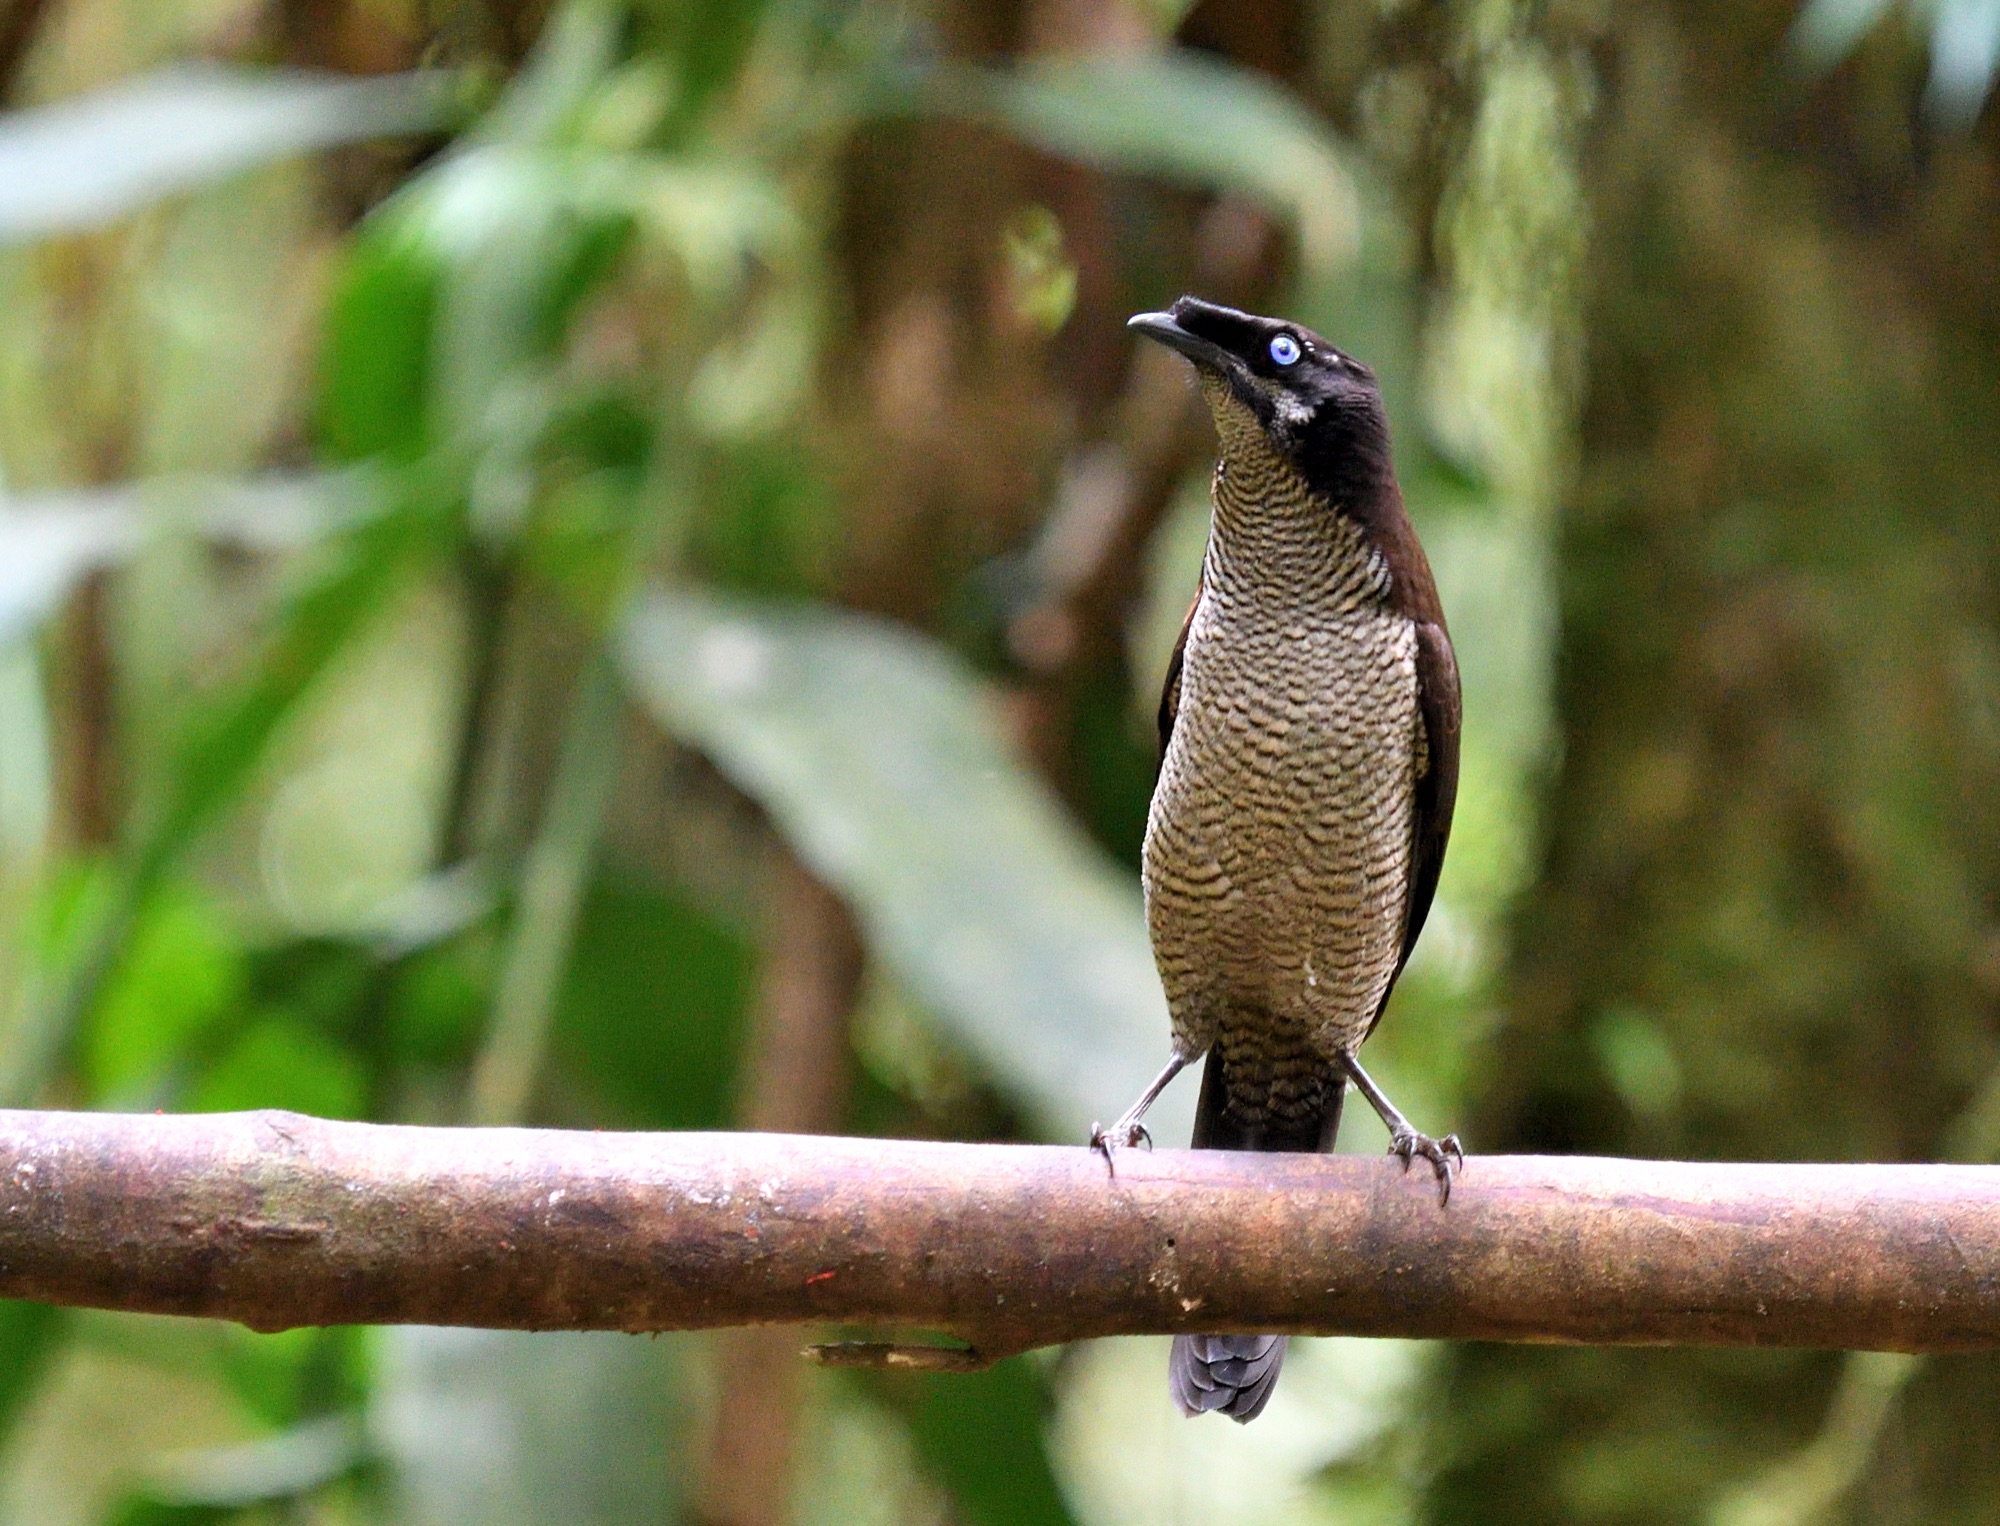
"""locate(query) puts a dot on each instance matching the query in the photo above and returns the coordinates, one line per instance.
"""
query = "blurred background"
(608, 565)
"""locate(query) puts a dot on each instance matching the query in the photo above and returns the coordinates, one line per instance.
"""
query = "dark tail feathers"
(1237, 1374)
(1233, 1373)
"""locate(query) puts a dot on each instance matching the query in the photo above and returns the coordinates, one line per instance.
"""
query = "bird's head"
(1317, 407)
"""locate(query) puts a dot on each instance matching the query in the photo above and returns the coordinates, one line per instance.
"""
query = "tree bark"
(278, 1220)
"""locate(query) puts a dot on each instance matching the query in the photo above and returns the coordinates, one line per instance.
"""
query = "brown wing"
(1437, 789)
(1437, 785)
(1170, 692)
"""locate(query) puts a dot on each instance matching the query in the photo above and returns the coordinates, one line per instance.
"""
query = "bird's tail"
(1236, 1374)
(1233, 1373)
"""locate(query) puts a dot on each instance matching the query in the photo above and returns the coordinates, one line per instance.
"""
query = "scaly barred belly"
(1277, 854)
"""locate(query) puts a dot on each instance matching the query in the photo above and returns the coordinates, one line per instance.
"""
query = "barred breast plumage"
(1277, 855)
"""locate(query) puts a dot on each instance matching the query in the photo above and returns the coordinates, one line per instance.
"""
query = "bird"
(1309, 741)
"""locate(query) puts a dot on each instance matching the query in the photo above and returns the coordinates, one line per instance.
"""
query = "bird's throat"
(1274, 540)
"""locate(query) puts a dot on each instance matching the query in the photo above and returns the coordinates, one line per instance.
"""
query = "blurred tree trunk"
(86, 690)
(18, 24)
(1765, 925)
(795, 1082)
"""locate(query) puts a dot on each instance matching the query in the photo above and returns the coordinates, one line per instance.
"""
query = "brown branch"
(279, 1220)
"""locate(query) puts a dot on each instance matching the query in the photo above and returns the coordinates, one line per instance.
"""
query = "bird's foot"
(1125, 1134)
(1128, 1131)
(1446, 1155)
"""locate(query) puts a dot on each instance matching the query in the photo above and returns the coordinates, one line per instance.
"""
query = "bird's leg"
(1446, 1155)
(1128, 1130)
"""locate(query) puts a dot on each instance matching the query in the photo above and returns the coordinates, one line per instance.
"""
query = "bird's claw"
(1120, 1136)
(1446, 1155)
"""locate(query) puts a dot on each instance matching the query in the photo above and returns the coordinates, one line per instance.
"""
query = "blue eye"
(1284, 349)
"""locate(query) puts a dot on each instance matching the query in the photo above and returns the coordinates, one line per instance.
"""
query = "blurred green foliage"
(641, 443)
(651, 1014)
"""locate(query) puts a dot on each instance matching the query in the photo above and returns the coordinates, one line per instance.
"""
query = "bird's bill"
(1167, 329)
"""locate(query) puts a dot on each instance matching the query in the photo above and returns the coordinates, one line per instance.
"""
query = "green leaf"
(1827, 30)
(124, 1390)
(577, 49)
(1965, 55)
(138, 1510)
(50, 541)
(1180, 116)
(465, 285)
(981, 1435)
(80, 164)
(43, 555)
(29, 1336)
(438, 1002)
(713, 215)
(878, 756)
(375, 361)
(458, 296)
(224, 744)
(500, 1428)
(650, 1019)
(284, 1377)
(284, 1063)
(709, 41)
(769, 521)
(215, 1483)
(553, 878)
(1964, 49)
(183, 971)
